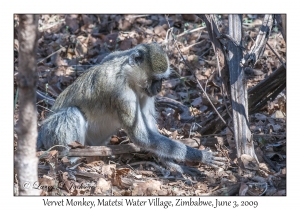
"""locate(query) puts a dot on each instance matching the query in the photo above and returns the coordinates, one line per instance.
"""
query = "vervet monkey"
(119, 93)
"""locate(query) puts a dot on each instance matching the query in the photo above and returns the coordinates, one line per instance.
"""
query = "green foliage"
(246, 20)
(261, 141)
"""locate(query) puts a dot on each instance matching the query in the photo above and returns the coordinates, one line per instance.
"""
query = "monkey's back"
(84, 93)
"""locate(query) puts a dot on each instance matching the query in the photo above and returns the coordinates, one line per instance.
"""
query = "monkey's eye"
(139, 59)
(136, 58)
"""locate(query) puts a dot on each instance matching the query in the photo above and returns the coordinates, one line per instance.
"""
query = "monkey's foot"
(180, 168)
(211, 159)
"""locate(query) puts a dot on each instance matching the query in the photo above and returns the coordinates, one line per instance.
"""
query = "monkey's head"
(150, 64)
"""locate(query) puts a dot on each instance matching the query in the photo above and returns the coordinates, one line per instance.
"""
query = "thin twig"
(276, 135)
(276, 55)
(51, 54)
(279, 135)
(45, 108)
(206, 51)
(191, 31)
(157, 167)
(191, 128)
(166, 16)
(138, 16)
(195, 44)
(131, 167)
(260, 185)
(16, 98)
(199, 36)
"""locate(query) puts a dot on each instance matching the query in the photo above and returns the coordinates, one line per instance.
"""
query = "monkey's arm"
(144, 134)
(168, 148)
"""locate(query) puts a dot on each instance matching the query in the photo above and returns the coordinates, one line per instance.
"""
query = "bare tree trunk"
(260, 43)
(25, 159)
(283, 25)
(239, 94)
(281, 20)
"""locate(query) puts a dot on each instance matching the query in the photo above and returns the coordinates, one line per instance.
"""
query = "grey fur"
(62, 127)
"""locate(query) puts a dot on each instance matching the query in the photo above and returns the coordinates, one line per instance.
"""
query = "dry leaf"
(102, 186)
(47, 155)
(67, 183)
(259, 116)
(47, 183)
(122, 171)
(76, 144)
(171, 83)
(147, 188)
(197, 102)
(249, 162)
(243, 189)
(65, 161)
(278, 115)
(111, 40)
(71, 22)
(163, 192)
(109, 170)
(280, 193)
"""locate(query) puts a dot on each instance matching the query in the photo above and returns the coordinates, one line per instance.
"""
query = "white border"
(139, 7)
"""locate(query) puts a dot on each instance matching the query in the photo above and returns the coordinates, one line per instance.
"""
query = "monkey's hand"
(210, 158)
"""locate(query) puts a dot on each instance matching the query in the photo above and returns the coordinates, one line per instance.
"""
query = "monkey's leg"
(61, 128)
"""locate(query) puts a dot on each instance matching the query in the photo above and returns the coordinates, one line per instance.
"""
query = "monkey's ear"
(136, 58)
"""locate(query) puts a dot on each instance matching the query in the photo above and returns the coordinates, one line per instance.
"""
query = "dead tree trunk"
(281, 20)
(260, 44)
(267, 89)
(239, 94)
(25, 158)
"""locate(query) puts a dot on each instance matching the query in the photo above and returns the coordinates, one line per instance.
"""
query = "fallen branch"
(171, 103)
(269, 161)
(260, 43)
(267, 89)
(42, 96)
(57, 51)
(228, 189)
(108, 150)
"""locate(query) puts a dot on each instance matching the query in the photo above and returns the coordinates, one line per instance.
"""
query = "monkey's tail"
(62, 128)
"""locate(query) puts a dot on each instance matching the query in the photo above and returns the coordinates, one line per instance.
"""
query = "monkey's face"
(154, 88)
(150, 65)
